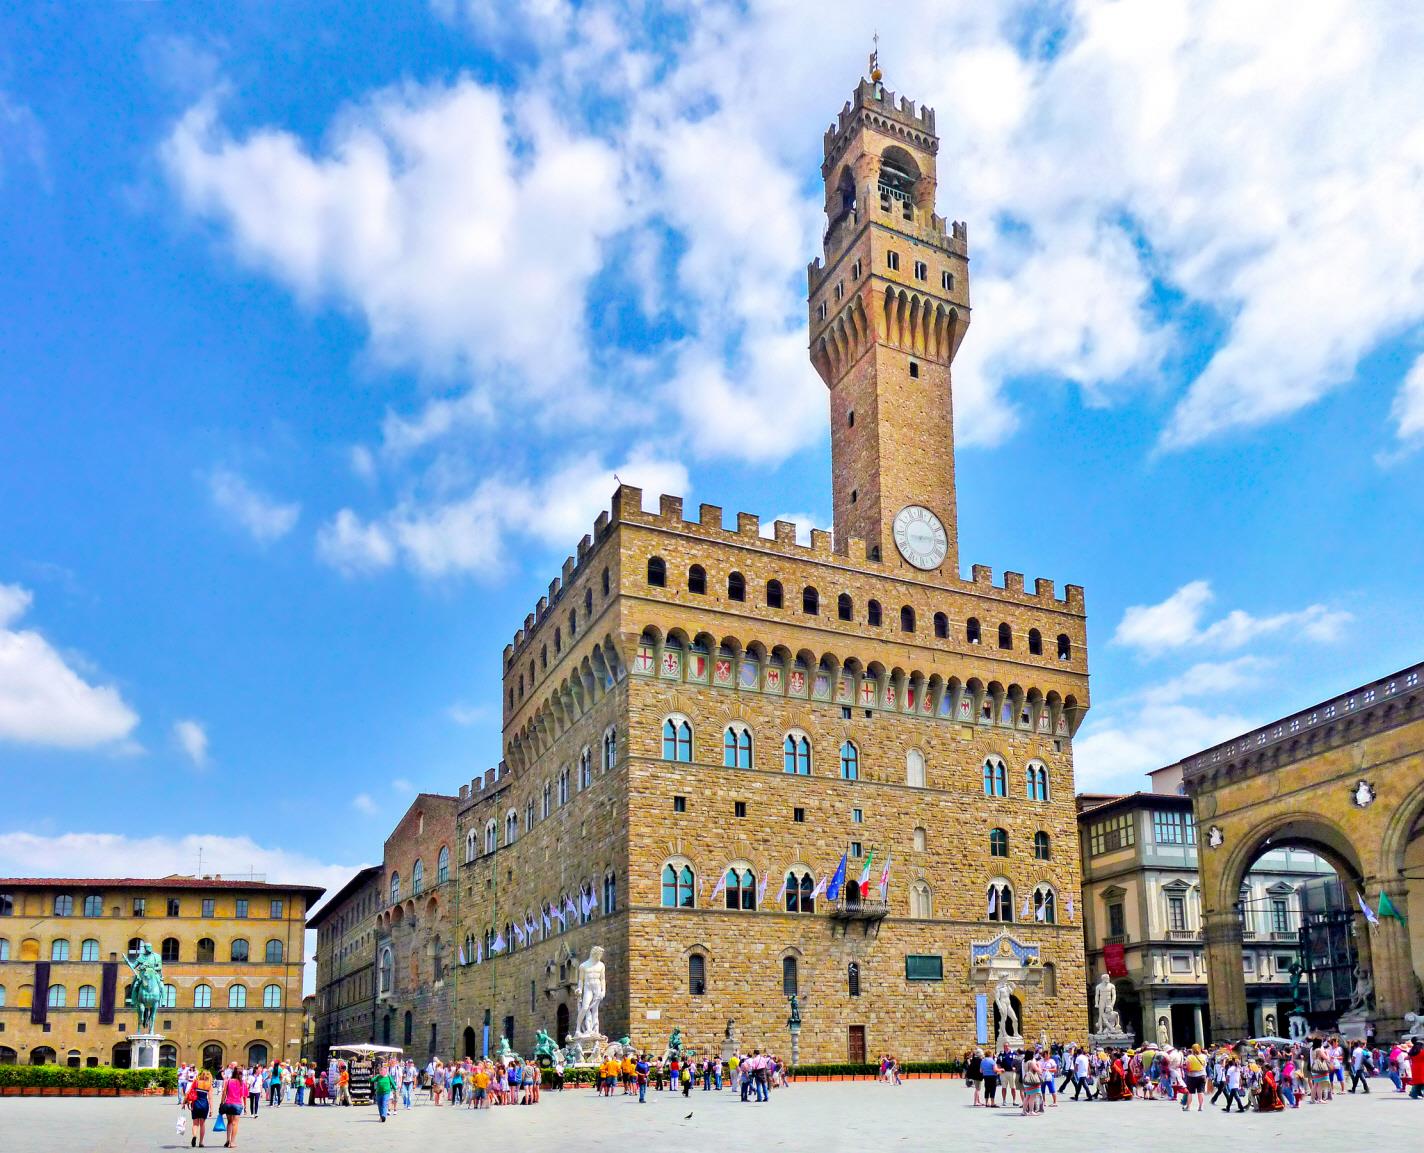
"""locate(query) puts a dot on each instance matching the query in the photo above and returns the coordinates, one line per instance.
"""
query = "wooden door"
(855, 1044)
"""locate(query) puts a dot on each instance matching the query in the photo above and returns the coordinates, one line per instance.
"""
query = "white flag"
(462, 955)
(1070, 906)
(497, 945)
(782, 891)
(519, 934)
(547, 923)
(720, 886)
(1041, 913)
(1025, 914)
(1370, 915)
(569, 906)
(820, 887)
(761, 889)
(479, 952)
(993, 901)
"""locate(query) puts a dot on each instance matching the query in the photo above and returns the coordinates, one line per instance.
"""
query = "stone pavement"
(854, 1117)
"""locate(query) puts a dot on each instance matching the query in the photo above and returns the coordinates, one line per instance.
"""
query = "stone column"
(1392, 968)
(1197, 1022)
(1226, 982)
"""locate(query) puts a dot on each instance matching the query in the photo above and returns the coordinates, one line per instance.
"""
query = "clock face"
(920, 537)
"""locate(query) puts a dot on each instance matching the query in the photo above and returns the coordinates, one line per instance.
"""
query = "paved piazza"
(859, 1117)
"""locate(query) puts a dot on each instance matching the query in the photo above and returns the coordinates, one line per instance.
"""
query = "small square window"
(241, 907)
(679, 804)
(845, 712)
(84, 1028)
(868, 714)
(140, 906)
(209, 906)
(855, 848)
(740, 808)
(798, 815)
(173, 906)
(915, 369)
(856, 816)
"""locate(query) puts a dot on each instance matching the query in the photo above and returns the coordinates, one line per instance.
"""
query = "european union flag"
(833, 890)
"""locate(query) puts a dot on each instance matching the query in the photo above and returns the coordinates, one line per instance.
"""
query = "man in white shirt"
(1080, 1075)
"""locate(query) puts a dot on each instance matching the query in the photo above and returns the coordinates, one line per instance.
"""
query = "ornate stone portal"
(1002, 968)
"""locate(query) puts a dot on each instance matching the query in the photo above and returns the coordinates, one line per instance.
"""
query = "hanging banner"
(1115, 960)
(981, 1019)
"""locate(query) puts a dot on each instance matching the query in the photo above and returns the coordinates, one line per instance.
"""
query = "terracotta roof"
(176, 882)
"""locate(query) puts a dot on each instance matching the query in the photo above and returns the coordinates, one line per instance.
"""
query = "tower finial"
(875, 72)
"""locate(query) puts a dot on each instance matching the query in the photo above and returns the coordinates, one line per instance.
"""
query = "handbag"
(182, 1126)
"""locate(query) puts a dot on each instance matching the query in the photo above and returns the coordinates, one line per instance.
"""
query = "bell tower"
(889, 304)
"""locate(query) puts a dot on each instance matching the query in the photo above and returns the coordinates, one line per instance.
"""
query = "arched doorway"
(8, 1056)
(1017, 1003)
(121, 1056)
(44, 1055)
(213, 1057)
(561, 1024)
(257, 1053)
(168, 1056)
(471, 1042)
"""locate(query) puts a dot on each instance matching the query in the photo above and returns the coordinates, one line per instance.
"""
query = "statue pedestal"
(1299, 1027)
(1354, 1026)
(143, 1049)
(1012, 1040)
(1112, 1040)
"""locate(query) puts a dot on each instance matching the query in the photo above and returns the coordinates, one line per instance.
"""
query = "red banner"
(1114, 959)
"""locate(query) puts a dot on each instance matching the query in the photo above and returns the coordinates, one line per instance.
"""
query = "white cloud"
(43, 700)
(1177, 623)
(21, 135)
(1112, 750)
(1407, 411)
(24, 854)
(192, 738)
(401, 785)
(465, 715)
(353, 546)
(363, 803)
(466, 534)
(264, 519)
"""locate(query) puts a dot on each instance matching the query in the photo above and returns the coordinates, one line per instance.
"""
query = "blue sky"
(323, 331)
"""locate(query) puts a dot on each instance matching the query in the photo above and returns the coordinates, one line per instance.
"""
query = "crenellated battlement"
(709, 525)
(930, 228)
(876, 103)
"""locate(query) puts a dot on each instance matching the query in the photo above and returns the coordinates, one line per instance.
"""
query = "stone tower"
(889, 303)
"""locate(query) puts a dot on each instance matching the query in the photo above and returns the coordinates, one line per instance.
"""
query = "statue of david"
(590, 993)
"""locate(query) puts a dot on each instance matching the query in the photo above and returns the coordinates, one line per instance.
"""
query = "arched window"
(697, 579)
(1006, 637)
(168, 950)
(1001, 901)
(657, 572)
(736, 587)
(59, 950)
(796, 754)
(919, 839)
(1035, 643)
(737, 747)
(585, 768)
(921, 902)
(238, 952)
(1065, 647)
(237, 996)
(605, 584)
(573, 623)
(998, 843)
(491, 835)
(88, 950)
(773, 594)
(907, 619)
(207, 951)
(996, 778)
(417, 878)
(845, 608)
(610, 748)
(915, 769)
(789, 975)
(810, 601)
(385, 972)
(1045, 904)
(800, 891)
(409, 1027)
(88, 996)
(395, 888)
(274, 952)
(677, 739)
(563, 786)
(1041, 846)
(1036, 775)
(472, 842)
(872, 613)
(58, 997)
(202, 996)
(696, 974)
(442, 866)
(610, 893)
(850, 761)
(941, 626)
(558, 640)
(272, 996)
(971, 630)
(511, 827)
(853, 978)
(741, 889)
(93, 905)
(679, 885)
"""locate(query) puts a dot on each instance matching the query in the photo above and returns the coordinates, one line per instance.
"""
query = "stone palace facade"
(700, 721)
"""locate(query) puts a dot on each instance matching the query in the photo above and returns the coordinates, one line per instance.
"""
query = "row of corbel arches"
(918, 324)
(934, 695)
(596, 673)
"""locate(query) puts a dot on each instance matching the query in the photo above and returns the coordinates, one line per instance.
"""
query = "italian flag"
(865, 872)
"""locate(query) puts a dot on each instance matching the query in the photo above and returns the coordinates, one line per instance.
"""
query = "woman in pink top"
(233, 1097)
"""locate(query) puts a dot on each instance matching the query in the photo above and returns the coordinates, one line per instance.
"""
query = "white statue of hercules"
(590, 993)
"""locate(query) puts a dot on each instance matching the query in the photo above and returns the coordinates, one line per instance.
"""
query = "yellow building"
(700, 720)
(232, 962)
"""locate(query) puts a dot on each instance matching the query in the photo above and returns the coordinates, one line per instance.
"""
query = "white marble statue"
(1364, 989)
(1008, 1019)
(590, 993)
(1164, 1032)
(1105, 1000)
(1299, 1027)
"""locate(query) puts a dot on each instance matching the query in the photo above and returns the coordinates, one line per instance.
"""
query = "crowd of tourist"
(1251, 1076)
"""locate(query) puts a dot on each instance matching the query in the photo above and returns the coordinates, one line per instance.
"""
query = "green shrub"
(99, 1077)
(868, 1070)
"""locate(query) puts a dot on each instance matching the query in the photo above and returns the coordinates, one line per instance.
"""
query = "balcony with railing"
(868, 912)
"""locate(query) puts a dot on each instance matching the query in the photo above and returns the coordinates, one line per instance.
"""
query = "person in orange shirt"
(629, 1070)
(343, 1086)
